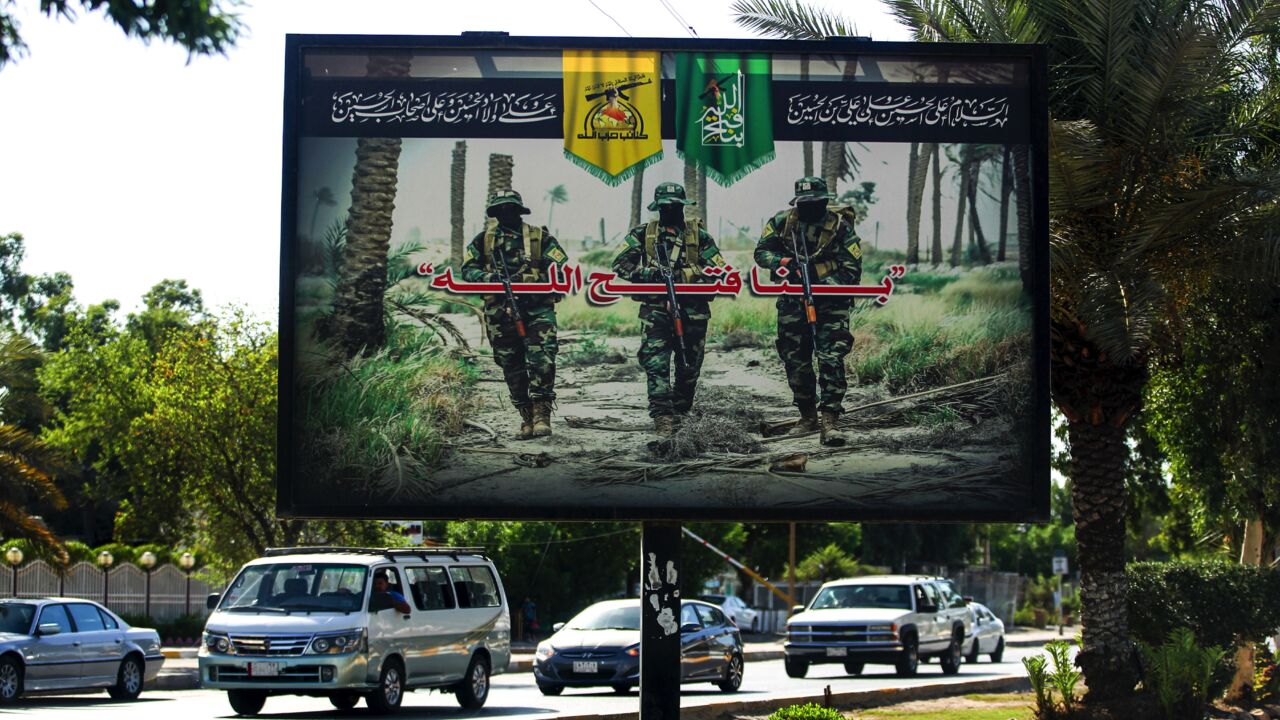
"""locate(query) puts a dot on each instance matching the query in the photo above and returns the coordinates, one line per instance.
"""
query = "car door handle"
(118, 641)
(75, 644)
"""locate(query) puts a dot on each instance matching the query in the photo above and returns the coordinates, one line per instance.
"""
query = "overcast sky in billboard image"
(126, 165)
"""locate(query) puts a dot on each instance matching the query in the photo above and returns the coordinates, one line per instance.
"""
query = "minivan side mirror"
(211, 601)
(557, 627)
(48, 629)
(797, 609)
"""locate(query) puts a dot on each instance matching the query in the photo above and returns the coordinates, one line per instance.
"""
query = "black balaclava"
(508, 216)
(671, 214)
(811, 210)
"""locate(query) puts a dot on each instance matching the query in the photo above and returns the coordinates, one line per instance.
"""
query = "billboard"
(663, 279)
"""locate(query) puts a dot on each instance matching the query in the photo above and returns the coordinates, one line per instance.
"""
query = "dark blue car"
(600, 647)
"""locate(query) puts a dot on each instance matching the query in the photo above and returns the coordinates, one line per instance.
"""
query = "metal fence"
(125, 588)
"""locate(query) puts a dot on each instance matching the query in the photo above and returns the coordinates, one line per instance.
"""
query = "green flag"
(724, 119)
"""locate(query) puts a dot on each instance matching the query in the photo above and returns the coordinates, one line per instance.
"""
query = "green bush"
(120, 553)
(1062, 679)
(1221, 603)
(808, 711)
(1180, 673)
(78, 552)
(185, 629)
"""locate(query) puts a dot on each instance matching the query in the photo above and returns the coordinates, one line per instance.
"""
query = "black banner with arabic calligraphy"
(533, 108)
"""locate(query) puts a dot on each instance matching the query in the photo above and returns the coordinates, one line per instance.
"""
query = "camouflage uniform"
(634, 263)
(835, 258)
(528, 364)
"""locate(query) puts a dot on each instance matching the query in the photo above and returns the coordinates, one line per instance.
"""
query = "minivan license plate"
(837, 652)
(584, 666)
(265, 669)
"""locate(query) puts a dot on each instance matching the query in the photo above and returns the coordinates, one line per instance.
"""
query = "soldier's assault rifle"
(673, 304)
(802, 266)
(513, 308)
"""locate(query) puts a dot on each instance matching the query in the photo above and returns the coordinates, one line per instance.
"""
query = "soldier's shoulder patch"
(473, 253)
(717, 259)
(557, 255)
(631, 240)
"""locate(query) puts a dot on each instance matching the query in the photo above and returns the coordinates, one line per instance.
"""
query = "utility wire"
(615, 20)
(678, 18)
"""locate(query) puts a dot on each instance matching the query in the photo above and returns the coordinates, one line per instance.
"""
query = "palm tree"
(501, 172)
(637, 198)
(27, 464)
(1145, 189)
(356, 324)
(323, 197)
(1006, 187)
(457, 203)
(935, 253)
(917, 173)
(555, 196)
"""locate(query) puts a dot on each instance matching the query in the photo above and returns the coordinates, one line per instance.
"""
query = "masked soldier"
(825, 235)
(687, 250)
(525, 254)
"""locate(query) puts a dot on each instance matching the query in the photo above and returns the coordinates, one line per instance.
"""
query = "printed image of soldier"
(826, 236)
(511, 249)
(687, 250)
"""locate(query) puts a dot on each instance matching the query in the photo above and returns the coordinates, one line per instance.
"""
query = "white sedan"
(738, 611)
(988, 634)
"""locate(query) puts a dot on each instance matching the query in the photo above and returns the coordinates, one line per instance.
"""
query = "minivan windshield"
(607, 617)
(16, 617)
(296, 587)
(897, 597)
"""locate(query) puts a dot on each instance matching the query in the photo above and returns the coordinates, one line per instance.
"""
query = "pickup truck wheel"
(10, 680)
(998, 655)
(909, 661)
(386, 698)
(853, 667)
(796, 667)
(732, 675)
(474, 688)
(344, 700)
(247, 702)
(128, 680)
(950, 659)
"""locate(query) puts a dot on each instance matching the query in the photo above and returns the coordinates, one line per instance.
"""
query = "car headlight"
(544, 651)
(882, 628)
(633, 651)
(217, 642)
(337, 643)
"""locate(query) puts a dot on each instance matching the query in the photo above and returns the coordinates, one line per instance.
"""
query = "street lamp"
(147, 561)
(186, 562)
(14, 556)
(105, 559)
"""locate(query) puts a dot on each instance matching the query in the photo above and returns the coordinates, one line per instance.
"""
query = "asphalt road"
(515, 696)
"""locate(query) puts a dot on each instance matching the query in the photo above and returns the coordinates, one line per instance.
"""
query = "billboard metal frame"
(289, 499)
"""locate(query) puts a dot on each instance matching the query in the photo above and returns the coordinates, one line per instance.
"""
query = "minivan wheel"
(474, 688)
(10, 680)
(909, 661)
(796, 667)
(732, 675)
(386, 698)
(247, 702)
(552, 689)
(344, 700)
(128, 680)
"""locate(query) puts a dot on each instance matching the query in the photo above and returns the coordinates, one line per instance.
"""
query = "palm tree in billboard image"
(457, 204)
(357, 324)
(1148, 193)
(555, 196)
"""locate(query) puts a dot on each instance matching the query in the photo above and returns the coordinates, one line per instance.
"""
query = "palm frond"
(434, 320)
(790, 19)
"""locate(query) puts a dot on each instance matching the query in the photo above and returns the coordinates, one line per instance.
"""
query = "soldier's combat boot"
(526, 421)
(541, 419)
(830, 435)
(664, 426)
(808, 422)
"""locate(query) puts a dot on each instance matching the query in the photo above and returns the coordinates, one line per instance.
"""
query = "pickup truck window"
(863, 596)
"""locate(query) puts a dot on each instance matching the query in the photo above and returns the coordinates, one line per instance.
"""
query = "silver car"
(59, 644)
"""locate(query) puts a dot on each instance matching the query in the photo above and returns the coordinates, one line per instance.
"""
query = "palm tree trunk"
(1250, 554)
(808, 144)
(637, 198)
(1006, 187)
(457, 204)
(1022, 188)
(935, 256)
(315, 214)
(690, 189)
(913, 212)
(831, 154)
(702, 195)
(501, 170)
(357, 321)
(975, 224)
(550, 211)
(956, 248)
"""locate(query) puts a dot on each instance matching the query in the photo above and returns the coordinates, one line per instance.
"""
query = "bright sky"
(123, 164)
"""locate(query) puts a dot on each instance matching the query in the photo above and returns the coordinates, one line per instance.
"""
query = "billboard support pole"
(660, 621)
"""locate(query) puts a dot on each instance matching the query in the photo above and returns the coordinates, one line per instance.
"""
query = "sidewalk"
(181, 670)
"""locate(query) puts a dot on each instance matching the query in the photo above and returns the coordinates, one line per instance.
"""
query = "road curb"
(521, 663)
(842, 700)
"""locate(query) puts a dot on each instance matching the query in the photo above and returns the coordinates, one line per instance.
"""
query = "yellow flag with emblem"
(612, 112)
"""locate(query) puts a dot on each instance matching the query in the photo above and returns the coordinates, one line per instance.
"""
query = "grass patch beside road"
(1011, 706)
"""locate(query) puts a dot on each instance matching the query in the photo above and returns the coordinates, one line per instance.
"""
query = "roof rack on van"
(389, 553)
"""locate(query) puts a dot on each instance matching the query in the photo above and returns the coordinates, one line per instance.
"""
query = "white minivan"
(346, 623)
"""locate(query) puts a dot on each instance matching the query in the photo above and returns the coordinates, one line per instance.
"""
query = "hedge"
(1221, 602)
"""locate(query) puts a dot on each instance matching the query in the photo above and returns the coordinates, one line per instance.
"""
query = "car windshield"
(16, 617)
(897, 597)
(607, 617)
(296, 587)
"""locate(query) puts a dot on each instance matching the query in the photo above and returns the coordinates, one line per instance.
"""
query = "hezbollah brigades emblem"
(612, 118)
